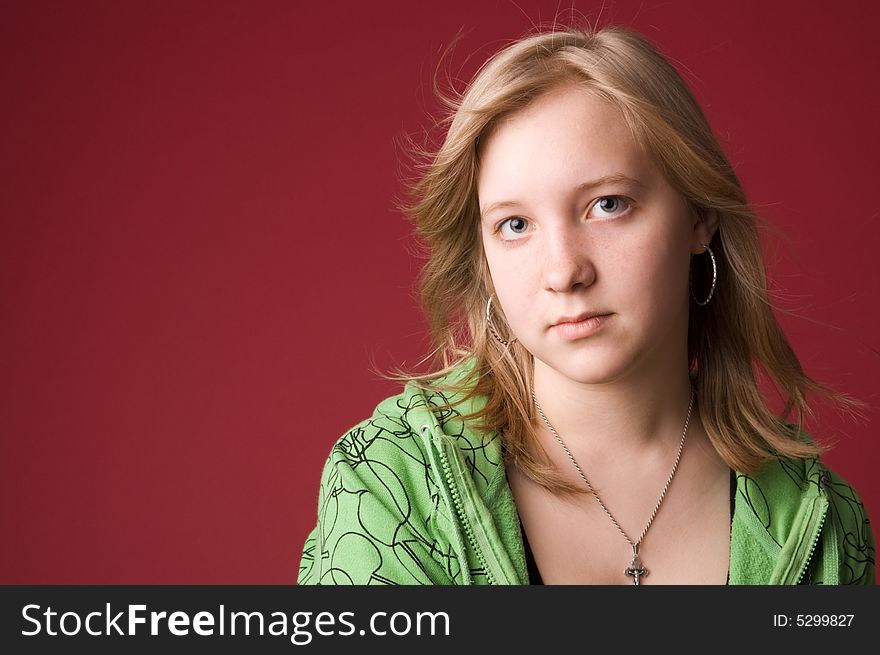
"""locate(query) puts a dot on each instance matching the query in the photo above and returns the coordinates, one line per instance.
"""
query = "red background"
(200, 260)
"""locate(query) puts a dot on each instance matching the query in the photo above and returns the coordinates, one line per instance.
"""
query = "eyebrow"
(615, 178)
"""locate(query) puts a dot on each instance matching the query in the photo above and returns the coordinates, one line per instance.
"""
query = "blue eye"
(611, 206)
(517, 227)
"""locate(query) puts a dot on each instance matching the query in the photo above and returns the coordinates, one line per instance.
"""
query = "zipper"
(473, 538)
(812, 549)
(456, 506)
(823, 481)
(462, 515)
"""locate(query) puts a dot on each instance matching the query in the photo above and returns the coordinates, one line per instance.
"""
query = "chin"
(586, 368)
(594, 377)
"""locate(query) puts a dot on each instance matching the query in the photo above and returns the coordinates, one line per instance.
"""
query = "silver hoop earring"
(491, 326)
(714, 278)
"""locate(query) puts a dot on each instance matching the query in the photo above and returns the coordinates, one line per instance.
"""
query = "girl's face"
(577, 221)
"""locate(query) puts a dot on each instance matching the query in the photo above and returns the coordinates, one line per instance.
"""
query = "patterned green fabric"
(413, 495)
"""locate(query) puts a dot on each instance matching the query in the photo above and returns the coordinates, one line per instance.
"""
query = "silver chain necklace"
(636, 569)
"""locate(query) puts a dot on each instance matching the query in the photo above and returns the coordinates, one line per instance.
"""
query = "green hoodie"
(414, 495)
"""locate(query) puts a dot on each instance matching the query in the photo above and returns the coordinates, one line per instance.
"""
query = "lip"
(578, 327)
(579, 317)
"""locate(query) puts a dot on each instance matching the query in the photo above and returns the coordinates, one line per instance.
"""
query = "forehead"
(560, 140)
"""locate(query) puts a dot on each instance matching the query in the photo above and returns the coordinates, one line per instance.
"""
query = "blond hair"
(732, 341)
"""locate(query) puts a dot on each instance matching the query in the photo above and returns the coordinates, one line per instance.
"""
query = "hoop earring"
(714, 278)
(491, 326)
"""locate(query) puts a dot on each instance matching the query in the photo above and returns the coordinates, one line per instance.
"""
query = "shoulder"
(381, 519)
(782, 484)
(852, 528)
(777, 496)
(395, 434)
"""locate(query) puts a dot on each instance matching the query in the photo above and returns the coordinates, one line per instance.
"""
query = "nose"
(567, 260)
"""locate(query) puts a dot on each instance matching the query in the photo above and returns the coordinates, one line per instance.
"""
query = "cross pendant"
(636, 569)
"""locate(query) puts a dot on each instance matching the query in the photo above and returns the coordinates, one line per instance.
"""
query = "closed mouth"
(578, 318)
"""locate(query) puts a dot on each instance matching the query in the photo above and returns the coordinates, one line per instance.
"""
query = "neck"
(640, 416)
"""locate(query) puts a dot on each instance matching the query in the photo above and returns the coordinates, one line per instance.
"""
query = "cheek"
(651, 272)
(514, 282)
(666, 279)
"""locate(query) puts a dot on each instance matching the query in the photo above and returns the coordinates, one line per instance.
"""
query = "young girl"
(597, 294)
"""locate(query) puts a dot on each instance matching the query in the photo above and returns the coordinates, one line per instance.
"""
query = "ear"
(705, 225)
